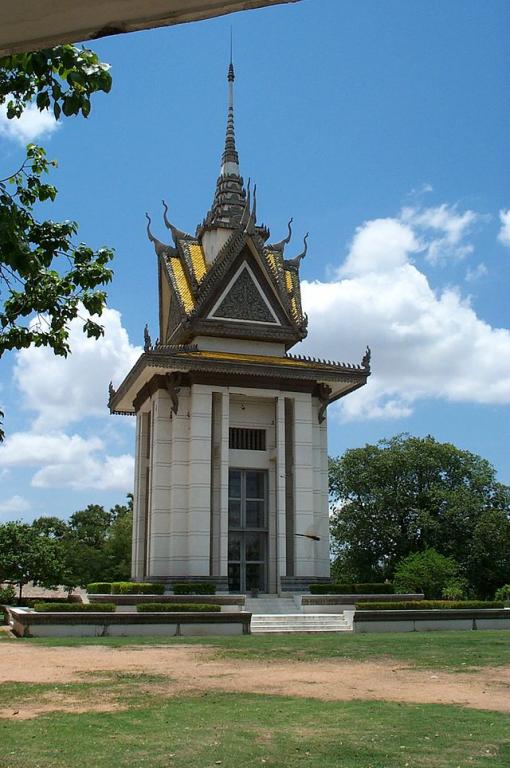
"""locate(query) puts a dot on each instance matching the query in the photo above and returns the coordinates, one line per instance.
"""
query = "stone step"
(299, 622)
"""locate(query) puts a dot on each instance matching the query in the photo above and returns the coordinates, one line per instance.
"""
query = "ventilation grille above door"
(247, 439)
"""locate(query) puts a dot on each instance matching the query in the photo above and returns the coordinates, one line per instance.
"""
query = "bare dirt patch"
(192, 669)
(48, 703)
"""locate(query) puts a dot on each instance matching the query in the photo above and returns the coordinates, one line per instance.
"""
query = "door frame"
(242, 530)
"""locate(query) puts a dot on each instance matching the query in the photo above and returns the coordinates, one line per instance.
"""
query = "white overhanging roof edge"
(28, 25)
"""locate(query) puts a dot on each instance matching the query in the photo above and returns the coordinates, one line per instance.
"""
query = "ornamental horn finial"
(281, 245)
(296, 261)
(159, 247)
(176, 233)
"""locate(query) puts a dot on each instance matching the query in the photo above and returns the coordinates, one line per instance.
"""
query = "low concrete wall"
(431, 620)
(31, 624)
(343, 603)
(228, 603)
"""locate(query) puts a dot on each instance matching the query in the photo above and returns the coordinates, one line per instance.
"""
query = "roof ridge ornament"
(177, 234)
(280, 246)
(147, 341)
(365, 361)
(159, 247)
(296, 261)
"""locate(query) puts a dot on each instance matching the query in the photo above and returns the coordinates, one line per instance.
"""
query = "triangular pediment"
(244, 300)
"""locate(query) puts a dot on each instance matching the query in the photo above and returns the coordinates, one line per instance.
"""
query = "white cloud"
(14, 506)
(105, 473)
(476, 273)
(452, 226)
(32, 124)
(63, 391)
(379, 244)
(67, 461)
(504, 232)
(426, 344)
(75, 387)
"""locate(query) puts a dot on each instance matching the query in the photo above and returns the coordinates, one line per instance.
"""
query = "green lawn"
(235, 731)
(447, 650)
(151, 726)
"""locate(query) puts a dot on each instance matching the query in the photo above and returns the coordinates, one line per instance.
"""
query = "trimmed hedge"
(375, 588)
(418, 605)
(194, 588)
(177, 608)
(74, 607)
(100, 588)
(30, 602)
(137, 588)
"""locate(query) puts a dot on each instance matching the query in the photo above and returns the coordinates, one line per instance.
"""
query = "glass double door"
(247, 530)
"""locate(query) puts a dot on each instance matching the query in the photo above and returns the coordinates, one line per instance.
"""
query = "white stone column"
(160, 505)
(321, 493)
(303, 484)
(178, 559)
(138, 505)
(324, 557)
(224, 460)
(199, 481)
(281, 547)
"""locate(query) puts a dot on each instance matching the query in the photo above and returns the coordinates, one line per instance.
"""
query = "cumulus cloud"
(63, 460)
(504, 232)
(75, 387)
(426, 343)
(379, 244)
(13, 506)
(65, 391)
(442, 230)
(32, 124)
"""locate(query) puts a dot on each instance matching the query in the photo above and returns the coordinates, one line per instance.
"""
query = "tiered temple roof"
(193, 280)
(228, 282)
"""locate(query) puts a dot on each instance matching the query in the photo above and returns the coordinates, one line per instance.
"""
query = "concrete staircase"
(283, 614)
(299, 622)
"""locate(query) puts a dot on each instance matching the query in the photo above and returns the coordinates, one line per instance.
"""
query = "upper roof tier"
(227, 280)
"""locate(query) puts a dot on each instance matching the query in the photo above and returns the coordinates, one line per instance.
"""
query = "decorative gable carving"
(243, 300)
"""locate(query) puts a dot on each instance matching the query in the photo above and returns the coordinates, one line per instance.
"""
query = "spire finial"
(230, 158)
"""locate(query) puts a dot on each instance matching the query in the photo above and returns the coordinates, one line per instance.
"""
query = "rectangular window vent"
(247, 439)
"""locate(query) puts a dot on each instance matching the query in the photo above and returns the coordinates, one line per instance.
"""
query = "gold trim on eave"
(257, 359)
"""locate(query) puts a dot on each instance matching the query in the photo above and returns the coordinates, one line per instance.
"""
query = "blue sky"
(382, 129)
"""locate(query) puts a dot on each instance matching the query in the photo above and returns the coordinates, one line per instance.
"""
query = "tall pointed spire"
(230, 158)
(230, 196)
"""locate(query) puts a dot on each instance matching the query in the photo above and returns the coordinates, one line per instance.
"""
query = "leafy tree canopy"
(407, 494)
(27, 555)
(95, 543)
(45, 276)
(427, 572)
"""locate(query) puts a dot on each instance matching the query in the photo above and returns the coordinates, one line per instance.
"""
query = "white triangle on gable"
(244, 311)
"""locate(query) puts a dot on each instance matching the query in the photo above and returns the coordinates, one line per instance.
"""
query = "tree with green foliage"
(408, 494)
(95, 544)
(427, 572)
(45, 277)
(26, 555)
(117, 546)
